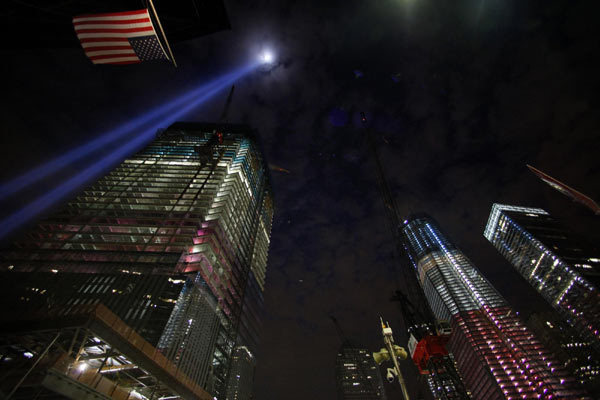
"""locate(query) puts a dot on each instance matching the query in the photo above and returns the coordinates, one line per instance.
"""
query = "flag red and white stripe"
(107, 38)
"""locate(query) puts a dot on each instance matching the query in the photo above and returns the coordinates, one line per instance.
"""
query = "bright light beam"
(50, 198)
(157, 113)
(267, 57)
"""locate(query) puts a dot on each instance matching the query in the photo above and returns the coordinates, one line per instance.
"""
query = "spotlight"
(139, 135)
(267, 57)
(156, 116)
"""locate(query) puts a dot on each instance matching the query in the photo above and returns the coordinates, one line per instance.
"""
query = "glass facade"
(357, 375)
(577, 355)
(497, 356)
(561, 266)
(174, 241)
(444, 381)
(241, 377)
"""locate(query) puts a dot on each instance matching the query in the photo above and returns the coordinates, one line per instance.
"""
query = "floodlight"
(267, 57)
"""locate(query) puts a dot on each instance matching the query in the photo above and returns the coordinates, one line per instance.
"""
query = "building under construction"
(427, 335)
(142, 285)
(463, 336)
(498, 357)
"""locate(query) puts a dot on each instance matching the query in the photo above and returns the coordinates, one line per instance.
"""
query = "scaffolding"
(89, 354)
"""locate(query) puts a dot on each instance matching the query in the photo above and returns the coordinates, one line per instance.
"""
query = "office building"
(497, 356)
(241, 376)
(560, 265)
(151, 276)
(357, 376)
(576, 355)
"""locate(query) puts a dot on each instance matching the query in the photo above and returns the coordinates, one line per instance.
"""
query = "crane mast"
(427, 337)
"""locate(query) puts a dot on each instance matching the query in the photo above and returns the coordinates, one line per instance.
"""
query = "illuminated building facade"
(576, 355)
(173, 241)
(497, 356)
(241, 376)
(557, 263)
(357, 375)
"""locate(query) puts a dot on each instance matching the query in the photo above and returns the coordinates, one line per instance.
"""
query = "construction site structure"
(86, 352)
(427, 336)
(497, 355)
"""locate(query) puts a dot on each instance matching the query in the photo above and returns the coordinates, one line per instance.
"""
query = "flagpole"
(163, 33)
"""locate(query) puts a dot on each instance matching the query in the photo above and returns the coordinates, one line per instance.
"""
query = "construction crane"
(206, 151)
(427, 337)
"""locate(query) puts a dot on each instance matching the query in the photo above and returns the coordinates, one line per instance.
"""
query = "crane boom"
(426, 346)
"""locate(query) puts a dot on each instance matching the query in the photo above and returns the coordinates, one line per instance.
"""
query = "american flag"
(119, 38)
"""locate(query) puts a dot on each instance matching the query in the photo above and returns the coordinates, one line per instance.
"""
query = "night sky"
(480, 88)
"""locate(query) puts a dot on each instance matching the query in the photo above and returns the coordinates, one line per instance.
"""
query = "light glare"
(267, 57)
(137, 138)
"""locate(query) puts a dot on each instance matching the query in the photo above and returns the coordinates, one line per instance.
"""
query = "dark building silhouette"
(241, 376)
(147, 280)
(357, 376)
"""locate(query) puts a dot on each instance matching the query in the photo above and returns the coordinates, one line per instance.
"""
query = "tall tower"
(498, 357)
(171, 246)
(561, 266)
(427, 342)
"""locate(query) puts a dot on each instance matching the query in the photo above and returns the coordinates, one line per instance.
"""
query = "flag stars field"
(114, 38)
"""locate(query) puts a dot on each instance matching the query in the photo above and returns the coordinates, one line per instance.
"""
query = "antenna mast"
(225, 112)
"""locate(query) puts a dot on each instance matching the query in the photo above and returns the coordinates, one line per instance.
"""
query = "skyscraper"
(576, 355)
(170, 250)
(498, 357)
(357, 375)
(241, 376)
(559, 264)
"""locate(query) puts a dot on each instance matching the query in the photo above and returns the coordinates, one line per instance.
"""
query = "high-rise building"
(241, 376)
(576, 355)
(166, 255)
(557, 263)
(357, 375)
(497, 356)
